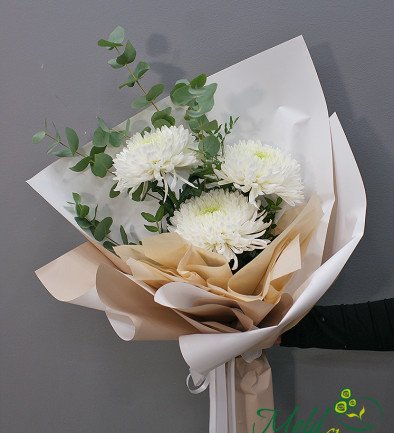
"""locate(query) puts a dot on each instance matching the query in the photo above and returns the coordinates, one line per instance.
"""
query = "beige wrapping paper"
(166, 288)
(253, 391)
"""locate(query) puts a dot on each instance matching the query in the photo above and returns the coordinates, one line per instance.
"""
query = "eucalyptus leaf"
(145, 130)
(130, 82)
(210, 145)
(102, 229)
(82, 210)
(127, 129)
(84, 223)
(140, 103)
(113, 193)
(123, 235)
(154, 92)
(100, 138)
(81, 165)
(62, 153)
(102, 162)
(116, 138)
(108, 44)
(159, 123)
(103, 125)
(38, 137)
(163, 115)
(198, 81)
(117, 35)
(148, 217)
(76, 197)
(202, 124)
(141, 69)
(128, 55)
(180, 94)
(108, 245)
(152, 229)
(73, 140)
(114, 64)
(136, 195)
(160, 213)
(95, 150)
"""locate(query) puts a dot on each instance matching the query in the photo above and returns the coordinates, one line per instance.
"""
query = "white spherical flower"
(221, 221)
(155, 156)
(260, 169)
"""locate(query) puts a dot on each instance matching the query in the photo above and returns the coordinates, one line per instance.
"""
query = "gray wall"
(62, 369)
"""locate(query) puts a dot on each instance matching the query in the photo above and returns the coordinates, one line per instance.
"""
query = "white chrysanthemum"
(260, 169)
(221, 221)
(155, 156)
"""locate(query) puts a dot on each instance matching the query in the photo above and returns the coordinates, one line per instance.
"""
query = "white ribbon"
(221, 382)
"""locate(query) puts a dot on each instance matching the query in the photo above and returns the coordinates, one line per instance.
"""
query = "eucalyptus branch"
(99, 229)
(63, 144)
(94, 226)
(136, 80)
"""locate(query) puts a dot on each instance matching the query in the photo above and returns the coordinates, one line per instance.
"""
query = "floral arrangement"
(214, 229)
(219, 198)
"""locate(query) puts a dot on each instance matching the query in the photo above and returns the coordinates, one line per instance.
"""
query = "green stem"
(151, 195)
(138, 82)
(64, 145)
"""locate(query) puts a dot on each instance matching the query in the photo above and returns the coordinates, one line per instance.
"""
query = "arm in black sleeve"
(367, 326)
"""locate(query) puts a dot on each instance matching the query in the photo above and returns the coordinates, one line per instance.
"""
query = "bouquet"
(217, 216)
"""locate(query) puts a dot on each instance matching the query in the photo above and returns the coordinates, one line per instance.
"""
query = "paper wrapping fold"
(279, 99)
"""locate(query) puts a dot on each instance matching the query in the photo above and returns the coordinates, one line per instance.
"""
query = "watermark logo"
(350, 413)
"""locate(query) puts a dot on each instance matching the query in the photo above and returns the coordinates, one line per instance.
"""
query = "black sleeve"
(368, 326)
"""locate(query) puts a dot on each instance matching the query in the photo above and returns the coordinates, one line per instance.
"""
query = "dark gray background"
(62, 369)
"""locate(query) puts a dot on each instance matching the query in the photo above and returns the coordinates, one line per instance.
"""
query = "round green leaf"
(154, 92)
(100, 138)
(141, 69)
(102, 162)
(160, 123)
(114, 64)
(117, 35)
(116, 138)
(83, 223)
(103, 125)
(163, 115)
(140, 103)
(210, 145)
(130, 82)
(128, 55)
(38, 136)
(82, 210)
(180, 94)
(198, 81)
